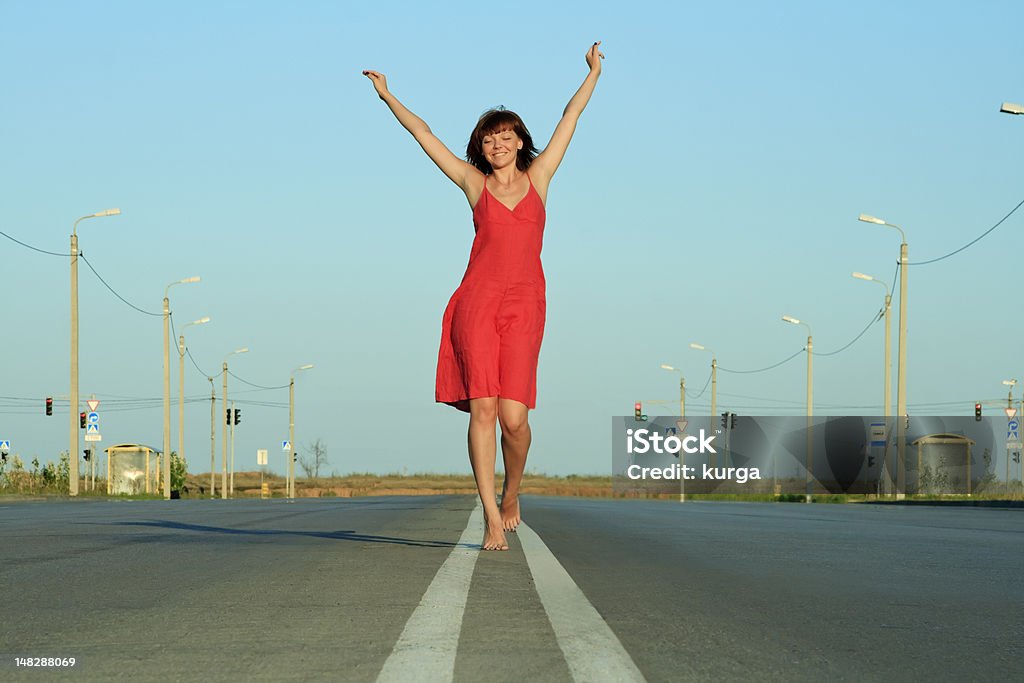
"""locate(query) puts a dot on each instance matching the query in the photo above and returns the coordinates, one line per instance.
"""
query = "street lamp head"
(862, 276)
(307, 366)
(697, 346)
(1011, 108)
(866, 218)
(107, 212)
(204, 319)
(667, 367)
(1010, 382)
(791, 319)
(194, 278)
(244, 349)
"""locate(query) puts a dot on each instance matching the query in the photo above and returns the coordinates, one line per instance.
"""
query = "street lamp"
(682, 388)
(167, 386)
(901, 371)
(810, 403)
(714, 381)
(887, 381)
(1011, 108)
(181, 385)
(224, 432)
(291, 428)
(73, 436)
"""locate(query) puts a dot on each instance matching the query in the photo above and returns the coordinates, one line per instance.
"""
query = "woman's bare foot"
(510, 512)
(494, 537)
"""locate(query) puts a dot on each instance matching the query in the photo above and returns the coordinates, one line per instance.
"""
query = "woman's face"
(501, 148)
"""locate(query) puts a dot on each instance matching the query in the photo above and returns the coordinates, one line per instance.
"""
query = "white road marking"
(427, 647)
(592, 651)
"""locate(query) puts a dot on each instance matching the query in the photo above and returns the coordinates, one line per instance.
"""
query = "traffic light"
(732, 421)
(49, 406)
(1016, 456)
(871, 461)
(227, 416)
(977, 412)
(238, 415)
(638, 412)
(87, 453)
(725, 420)
(81, 420)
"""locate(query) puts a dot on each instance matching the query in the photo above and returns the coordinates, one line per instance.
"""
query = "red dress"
(494, 322)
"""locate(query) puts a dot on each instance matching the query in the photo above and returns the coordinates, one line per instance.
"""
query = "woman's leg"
(515, 443)
(483, 413)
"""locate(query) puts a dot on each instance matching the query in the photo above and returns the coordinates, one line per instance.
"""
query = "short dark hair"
(494, 121)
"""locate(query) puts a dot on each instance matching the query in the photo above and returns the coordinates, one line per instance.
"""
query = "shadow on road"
(341, 535)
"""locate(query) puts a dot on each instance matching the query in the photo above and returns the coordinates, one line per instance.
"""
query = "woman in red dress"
(494, 322)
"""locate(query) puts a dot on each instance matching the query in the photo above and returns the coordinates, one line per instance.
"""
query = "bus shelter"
(943, 464)
(133, 468)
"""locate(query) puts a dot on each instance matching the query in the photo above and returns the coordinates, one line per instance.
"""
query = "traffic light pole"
(234, 421)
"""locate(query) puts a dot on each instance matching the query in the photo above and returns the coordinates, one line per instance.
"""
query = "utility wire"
(29, 246)
(702, 390)
(874, 319)
(972, 242)
(82, 256)
(770, 367)
(258, 386)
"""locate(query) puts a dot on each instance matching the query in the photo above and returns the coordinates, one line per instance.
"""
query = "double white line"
(428, 645)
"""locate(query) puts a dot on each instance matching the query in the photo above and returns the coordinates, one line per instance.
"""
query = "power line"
(82, 256)
(259, 386)
(972, 242)
(770, 367)
(874, 319)
(29, 246)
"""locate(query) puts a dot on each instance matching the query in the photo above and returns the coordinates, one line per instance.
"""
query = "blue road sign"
(5, 445)
(93, 418)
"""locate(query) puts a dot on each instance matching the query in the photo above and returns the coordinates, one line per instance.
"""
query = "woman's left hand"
(594, 57)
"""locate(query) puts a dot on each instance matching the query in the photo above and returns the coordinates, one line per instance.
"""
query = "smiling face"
(499, 140)
(501, 148)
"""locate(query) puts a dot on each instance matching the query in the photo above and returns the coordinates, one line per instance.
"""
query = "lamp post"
(714, 382)
(810, 401)
(682, 414)
(181, 385)
(213, 439)
(682, 388)
(901, 370)
(73, 436)
(291, 428)
(887, 373)
(167, 386)
(224, 432)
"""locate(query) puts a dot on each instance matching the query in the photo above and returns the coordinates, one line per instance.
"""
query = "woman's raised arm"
(452, 166)
(547, 161)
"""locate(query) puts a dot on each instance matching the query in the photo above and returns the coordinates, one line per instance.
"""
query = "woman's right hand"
(380, 84)
(594, 57)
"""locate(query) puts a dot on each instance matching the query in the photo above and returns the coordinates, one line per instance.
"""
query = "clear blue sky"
(713, 185)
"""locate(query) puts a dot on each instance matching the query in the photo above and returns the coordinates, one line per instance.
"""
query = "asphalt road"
(382, 588)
